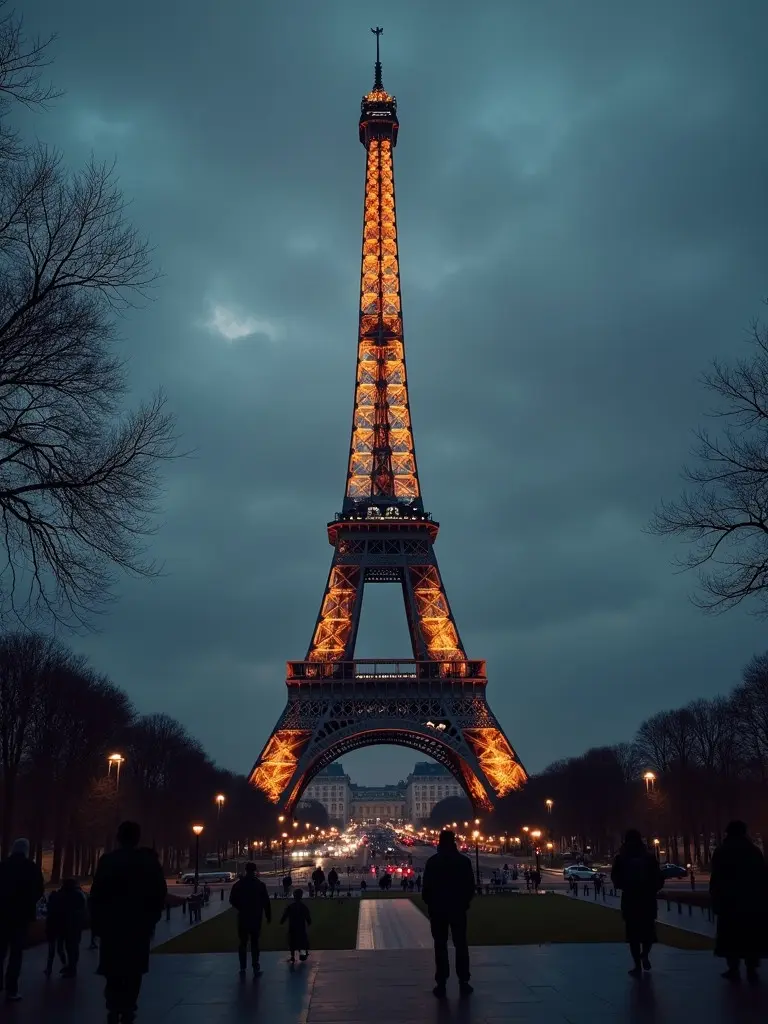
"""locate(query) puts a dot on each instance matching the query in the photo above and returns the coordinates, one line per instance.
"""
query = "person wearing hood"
(21, 888)
(738, 889)
(447, 890)
(637, 873)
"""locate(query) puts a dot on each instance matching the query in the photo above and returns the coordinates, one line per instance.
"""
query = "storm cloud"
(582, 215)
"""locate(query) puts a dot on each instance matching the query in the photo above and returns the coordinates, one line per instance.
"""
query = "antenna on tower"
(377, 84)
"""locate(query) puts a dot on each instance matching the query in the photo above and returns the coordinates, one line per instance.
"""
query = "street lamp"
(650, 780)
(550, 847)
(198, 830)
(282, 848)
(550, 804)
(116, 760)
(219, 798)
(536, 834)
(656, 847)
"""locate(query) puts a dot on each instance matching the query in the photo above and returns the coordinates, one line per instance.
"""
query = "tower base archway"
(438, 709)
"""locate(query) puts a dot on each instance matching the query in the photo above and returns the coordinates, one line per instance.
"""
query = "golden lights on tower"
(382, 460)
(497, 759)
(278, 761)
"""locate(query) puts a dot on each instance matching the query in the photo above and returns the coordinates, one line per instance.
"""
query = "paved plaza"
(557, 984)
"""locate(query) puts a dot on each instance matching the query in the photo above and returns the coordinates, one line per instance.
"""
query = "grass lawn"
(531, 920)
(334, 926)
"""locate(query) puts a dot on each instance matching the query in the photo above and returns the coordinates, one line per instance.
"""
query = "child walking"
(297, 916)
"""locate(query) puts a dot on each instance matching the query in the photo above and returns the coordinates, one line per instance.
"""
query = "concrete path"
(688, 918)
(392, 924)
(557, 984)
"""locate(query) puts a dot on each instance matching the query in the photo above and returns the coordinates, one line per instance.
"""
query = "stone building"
(427, 785)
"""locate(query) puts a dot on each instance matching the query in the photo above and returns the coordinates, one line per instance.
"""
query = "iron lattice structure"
(435, 702)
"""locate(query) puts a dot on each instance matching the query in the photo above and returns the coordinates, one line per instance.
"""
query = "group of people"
(739, 898)
(250, 899)
(126, 901)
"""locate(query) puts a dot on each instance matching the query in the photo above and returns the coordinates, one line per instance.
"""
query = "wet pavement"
(558, 984)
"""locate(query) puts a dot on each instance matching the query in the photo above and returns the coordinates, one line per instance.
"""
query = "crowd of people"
(129, 892)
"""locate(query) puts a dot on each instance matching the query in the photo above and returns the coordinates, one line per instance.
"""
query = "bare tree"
(724, 516)
(78, 474)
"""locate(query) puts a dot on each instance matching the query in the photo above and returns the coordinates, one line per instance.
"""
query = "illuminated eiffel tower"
(435, 702)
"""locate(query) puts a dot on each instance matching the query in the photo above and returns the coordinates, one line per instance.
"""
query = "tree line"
(59, 723)
(687, 772)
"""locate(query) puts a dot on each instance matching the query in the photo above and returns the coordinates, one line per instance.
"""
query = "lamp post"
(550, 804)
(116, 760)
(283, 837)
(656, 843)
(526, 829)
(220, 798)
(536, 834)
(198, 830)
(476, 837)
(650, 781)
(550, 847)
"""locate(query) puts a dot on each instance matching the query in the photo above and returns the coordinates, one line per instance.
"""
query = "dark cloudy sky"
(582, 213)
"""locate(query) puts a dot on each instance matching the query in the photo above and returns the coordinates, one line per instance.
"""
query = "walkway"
(392, 924)
(565, 984)
(690, 919)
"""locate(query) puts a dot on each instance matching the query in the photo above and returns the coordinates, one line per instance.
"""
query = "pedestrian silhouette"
(333, 880)
(250, 899)
(636, 872)
(21, 888)
(298, 918)
(127, 898)
(64, 926)
(739, 892)
(287, 883)
(447, 890)
(318, 878)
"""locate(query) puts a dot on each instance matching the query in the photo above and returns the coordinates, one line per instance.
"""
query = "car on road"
(580, 872)
(673, 871)
(188, 877)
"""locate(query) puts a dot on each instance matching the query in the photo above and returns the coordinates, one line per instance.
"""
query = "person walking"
(637, 873)
(318, 879)
(250, 899)
(64, 925)
(447, 890)
(287, 883)
(333, 880)
(53, 934)
(298, 918)
(738, 889)
(127, 899)
(21, 888)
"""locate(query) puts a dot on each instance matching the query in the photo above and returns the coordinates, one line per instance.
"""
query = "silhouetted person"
(64, 926)
(127, 898)
(298, 918)
(318, 878)
(447, 890)
(739, 890)
(637, 873)
(333, 880)
(21, 887)
(53, 934)
(250, 899)
(287, 883)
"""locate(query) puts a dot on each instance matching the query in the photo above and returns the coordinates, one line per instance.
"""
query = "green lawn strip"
(534, 920)
(334, 926)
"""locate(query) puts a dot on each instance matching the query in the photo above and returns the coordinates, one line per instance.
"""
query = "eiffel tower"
(434, 702)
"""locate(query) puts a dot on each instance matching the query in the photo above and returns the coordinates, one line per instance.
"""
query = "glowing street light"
(220, 800)
(650, 781)
(198, 830)
(116, 760)
(550, 804)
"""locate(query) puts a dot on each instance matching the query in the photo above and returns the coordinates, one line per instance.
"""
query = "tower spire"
(377, 83)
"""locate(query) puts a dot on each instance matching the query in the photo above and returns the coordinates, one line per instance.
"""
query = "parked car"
(580, 872)
(673, 871)
(188, 877)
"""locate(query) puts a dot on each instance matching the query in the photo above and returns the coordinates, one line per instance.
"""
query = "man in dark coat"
(739, 891)
(127, 898)
(250, 899)
(447, 890)
(21, 888)
(637, 873)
